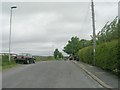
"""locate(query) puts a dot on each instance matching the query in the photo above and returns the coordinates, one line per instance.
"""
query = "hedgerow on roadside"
(106, 56)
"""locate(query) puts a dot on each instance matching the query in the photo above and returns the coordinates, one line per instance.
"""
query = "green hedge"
(106, 56)
(85, 54)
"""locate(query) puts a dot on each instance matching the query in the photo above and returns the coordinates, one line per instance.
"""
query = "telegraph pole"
(94, 35)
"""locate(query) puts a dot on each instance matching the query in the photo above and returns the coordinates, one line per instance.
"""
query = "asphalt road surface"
(48, 74)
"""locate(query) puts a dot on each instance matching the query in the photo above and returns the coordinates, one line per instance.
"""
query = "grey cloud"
(40, 27)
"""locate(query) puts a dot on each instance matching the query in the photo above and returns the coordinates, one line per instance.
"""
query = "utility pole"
(10, 32)
(94, 35)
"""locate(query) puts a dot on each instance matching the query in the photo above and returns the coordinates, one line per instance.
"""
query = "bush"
(86, 53)
(106, 56)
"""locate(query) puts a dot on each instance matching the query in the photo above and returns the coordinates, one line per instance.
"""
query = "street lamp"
(10, 31)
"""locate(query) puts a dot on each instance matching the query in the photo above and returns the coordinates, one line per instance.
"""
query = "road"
(48, 74)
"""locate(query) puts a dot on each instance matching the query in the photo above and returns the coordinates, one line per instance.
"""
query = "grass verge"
(5, 64)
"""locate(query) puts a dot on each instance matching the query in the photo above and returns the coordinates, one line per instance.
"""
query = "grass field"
(44, 58)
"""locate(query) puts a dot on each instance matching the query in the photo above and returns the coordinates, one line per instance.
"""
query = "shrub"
(86, 53)
(106, 56)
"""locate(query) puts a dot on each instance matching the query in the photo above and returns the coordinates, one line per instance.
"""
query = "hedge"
(106, 56)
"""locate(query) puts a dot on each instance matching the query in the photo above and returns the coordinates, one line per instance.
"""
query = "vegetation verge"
(106, 56)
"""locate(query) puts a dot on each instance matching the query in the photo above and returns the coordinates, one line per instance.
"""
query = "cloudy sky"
(40, 27)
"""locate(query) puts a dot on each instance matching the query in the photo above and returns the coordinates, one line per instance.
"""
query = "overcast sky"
(40, 27)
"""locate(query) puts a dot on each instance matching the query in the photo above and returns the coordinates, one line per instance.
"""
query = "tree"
(73, 46)
(60, 55)
(85, 43)
(109, 32)
(56, 54)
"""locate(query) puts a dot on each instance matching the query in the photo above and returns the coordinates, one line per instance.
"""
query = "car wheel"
(33, 61)
(28, 61)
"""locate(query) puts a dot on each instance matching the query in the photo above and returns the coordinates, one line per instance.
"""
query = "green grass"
(5, 64)
(0, 63)
(44, 58)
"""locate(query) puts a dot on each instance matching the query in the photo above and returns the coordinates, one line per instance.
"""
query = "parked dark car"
(25, 58)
